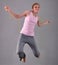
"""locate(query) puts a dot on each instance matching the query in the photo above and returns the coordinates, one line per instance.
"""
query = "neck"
(35, 14)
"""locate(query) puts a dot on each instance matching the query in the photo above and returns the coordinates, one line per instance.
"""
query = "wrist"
(9, 10)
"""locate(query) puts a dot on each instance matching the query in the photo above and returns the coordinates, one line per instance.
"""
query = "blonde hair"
(35, 4)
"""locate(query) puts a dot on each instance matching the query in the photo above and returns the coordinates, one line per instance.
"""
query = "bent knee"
(21, 55)
(37, 55)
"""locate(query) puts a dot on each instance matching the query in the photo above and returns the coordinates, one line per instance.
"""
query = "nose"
(37, 8)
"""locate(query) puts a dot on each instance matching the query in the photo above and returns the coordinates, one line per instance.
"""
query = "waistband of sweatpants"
(26, 35)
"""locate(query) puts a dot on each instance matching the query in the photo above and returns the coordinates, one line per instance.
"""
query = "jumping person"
(27, 31)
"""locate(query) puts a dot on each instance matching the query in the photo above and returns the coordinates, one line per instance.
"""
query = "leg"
(34, 47)
(20, 47)
(20, 50)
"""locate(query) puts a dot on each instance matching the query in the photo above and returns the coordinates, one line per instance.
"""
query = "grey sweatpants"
(24, 39)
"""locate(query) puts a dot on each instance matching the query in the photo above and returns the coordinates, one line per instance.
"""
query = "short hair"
(35, 4)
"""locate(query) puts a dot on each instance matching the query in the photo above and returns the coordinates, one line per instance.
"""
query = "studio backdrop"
(45, 36)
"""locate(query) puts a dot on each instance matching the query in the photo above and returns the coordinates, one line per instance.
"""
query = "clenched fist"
(7, 8)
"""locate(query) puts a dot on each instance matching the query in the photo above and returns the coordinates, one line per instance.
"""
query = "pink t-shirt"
(29, 24)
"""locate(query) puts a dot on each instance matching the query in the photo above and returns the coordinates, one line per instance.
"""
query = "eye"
(37, 7)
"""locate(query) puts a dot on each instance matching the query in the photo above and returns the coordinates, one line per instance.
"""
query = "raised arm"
(7, 8)
(39, 23)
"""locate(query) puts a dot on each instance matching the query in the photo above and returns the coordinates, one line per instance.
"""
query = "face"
(36, 8)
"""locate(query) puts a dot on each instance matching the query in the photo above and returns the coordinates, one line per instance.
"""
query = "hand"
(47, 21)
(7, 8)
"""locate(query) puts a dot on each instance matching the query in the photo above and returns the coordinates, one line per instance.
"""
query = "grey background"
(46, 36)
